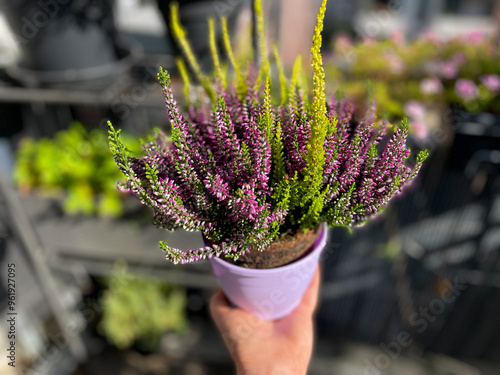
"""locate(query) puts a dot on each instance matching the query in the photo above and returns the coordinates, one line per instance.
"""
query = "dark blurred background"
(94, 294)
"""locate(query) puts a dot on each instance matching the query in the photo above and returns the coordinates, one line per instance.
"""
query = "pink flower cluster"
(466, 89)
(491, 82)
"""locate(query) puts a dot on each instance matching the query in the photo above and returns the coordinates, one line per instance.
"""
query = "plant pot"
(71, 35)
(66, 43)
(92, 78)
(269, 293)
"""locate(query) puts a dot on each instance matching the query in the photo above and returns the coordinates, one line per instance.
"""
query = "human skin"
(261, 347)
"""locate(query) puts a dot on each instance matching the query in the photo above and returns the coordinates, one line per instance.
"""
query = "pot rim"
(318, 245)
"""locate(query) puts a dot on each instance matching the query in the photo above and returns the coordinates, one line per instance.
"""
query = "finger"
(300, 321)
(219, 306)
(223, 313)
(311, 295)
(310, 298)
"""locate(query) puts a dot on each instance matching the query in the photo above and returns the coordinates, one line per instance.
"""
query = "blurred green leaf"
(140, 310)
(77, 162)
(79, 200)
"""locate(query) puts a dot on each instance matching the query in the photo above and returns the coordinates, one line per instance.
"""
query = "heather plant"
(245, 171)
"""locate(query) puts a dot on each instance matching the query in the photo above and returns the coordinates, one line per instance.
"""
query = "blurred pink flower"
(344, 40)
(466, 89)
(449, 69)
(343, 44)
(419, 129)
(395, 62)
(369, 40)
(433, 67)
(432, 37)
(398, 37)
(458, 58)
(491, 81)
(431, 86)
(475, 36)
(414, 109)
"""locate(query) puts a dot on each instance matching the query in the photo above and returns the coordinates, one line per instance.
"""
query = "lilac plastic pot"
(269, 293)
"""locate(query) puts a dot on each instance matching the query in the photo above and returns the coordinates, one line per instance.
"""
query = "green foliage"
(315, 158)
(262, 59)
(282, 198)
(337, 214)
(183, 71)
(278, 162)
(266, 121)
(180, 35)
(215, 54)
(241, 85)
(281, 71)
(422, 156)
(77, 164)
(139, 310)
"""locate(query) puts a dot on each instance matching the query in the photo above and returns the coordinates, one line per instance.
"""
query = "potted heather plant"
(261, 181)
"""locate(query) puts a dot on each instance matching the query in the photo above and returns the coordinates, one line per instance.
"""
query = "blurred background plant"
(415, 79)
(139, 310)
(74, 165)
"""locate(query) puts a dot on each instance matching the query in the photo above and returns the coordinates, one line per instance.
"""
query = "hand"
(261, 347)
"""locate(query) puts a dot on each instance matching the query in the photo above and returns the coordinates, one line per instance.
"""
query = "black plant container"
(65, 41)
